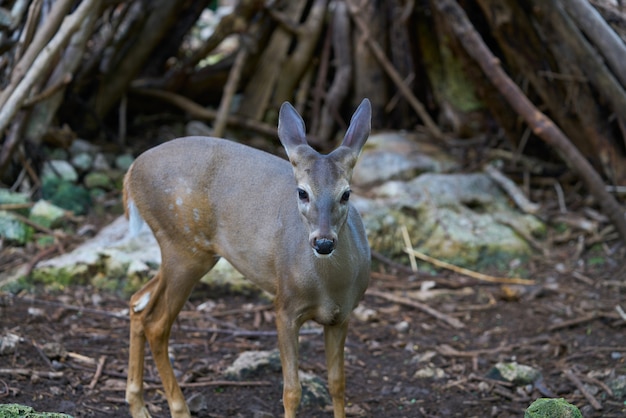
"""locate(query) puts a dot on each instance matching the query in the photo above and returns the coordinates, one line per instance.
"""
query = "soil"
(73, 350)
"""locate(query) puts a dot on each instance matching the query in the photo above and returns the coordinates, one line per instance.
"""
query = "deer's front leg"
(288, 329)
(334, 341)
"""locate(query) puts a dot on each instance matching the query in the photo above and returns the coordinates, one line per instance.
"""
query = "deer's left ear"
(291, 129)
(360, 127)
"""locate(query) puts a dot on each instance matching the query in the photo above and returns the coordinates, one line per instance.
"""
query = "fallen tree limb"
(541, 125)
(453, 322)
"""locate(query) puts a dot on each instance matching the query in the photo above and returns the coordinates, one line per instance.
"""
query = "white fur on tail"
(135, 220)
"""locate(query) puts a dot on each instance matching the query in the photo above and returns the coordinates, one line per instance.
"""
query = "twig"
(512, 190)
(29, 372)
(408, 244)
(196, 111)
(620, 312)
(453, 322)
(467, 272)
(98, 373)
(573, 322)
(386, 260)
(581, 387)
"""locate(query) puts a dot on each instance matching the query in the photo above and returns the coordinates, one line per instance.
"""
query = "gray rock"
(13, 230)
(518, 374)
(97, 179)
(83, 161)
(461, 218)
(250, 363)
(124, 161)
(398, 156)
(59, 169)
(46, 214)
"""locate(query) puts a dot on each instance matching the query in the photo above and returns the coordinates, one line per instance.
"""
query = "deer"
(286, 225)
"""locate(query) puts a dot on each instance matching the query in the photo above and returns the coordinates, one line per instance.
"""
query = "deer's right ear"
(291, 129)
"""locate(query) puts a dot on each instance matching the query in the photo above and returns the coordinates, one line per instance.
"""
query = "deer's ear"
(291, 129)
(360, 127)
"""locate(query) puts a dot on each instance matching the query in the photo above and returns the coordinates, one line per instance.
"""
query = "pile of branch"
(86, 68)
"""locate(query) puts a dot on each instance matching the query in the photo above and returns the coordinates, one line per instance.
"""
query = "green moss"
(552, 408)
(23, 411)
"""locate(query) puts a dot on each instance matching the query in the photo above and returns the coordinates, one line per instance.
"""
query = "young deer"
(287, 227)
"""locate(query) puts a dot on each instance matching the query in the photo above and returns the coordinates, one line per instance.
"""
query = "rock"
(461, 218)
(97, 179)
(9, 197)
(430, 372)
(58, 169)
(552, 408)
(46, 214)
(81, 146)
(66, 195)
(518, 374)
(13, 410)
(313, 390)
(198, 402)
(124, 161)
(197, 128)
(8, 343)
(13, 230)
(83, 161)
(618, 386)
(250, 363)
(364, 314)
(398, 156)
(101, 163)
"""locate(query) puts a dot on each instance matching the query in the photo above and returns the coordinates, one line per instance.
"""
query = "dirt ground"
(405, 362)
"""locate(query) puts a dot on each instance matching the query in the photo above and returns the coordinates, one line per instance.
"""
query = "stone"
(46, 214)
(13, 230)
(96, 179)
(55, 169)
(398, 156)
(83, 161)
(552, 408)
(13, 410)
(124, 161)
(250, 363)
(518, 374)
(461, 218)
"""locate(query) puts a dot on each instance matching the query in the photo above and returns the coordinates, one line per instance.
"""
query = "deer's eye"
(303, 195)
(345, 196)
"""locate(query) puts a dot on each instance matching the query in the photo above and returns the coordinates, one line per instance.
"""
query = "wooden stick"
(467, 272)
(98, 373)
(229, 91)
(453, 322)
(581, 387)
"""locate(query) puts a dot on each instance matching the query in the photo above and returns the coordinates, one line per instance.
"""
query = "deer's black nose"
(324, 246)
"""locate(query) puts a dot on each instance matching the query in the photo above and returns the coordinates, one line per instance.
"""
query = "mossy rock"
(66, 195)
(22, 411)
(552, 408)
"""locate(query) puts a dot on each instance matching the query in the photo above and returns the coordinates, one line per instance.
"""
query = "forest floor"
(403, 363)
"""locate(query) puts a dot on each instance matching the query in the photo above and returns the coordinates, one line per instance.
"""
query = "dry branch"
(541, 125)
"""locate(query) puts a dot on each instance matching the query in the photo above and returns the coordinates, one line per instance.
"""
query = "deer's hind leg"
(153, 310)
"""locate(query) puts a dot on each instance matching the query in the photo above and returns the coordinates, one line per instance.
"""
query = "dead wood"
(261, 85)
(357, 13)
(542, 126)
(601, 34)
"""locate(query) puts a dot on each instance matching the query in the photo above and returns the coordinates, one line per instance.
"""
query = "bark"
(541, 125)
